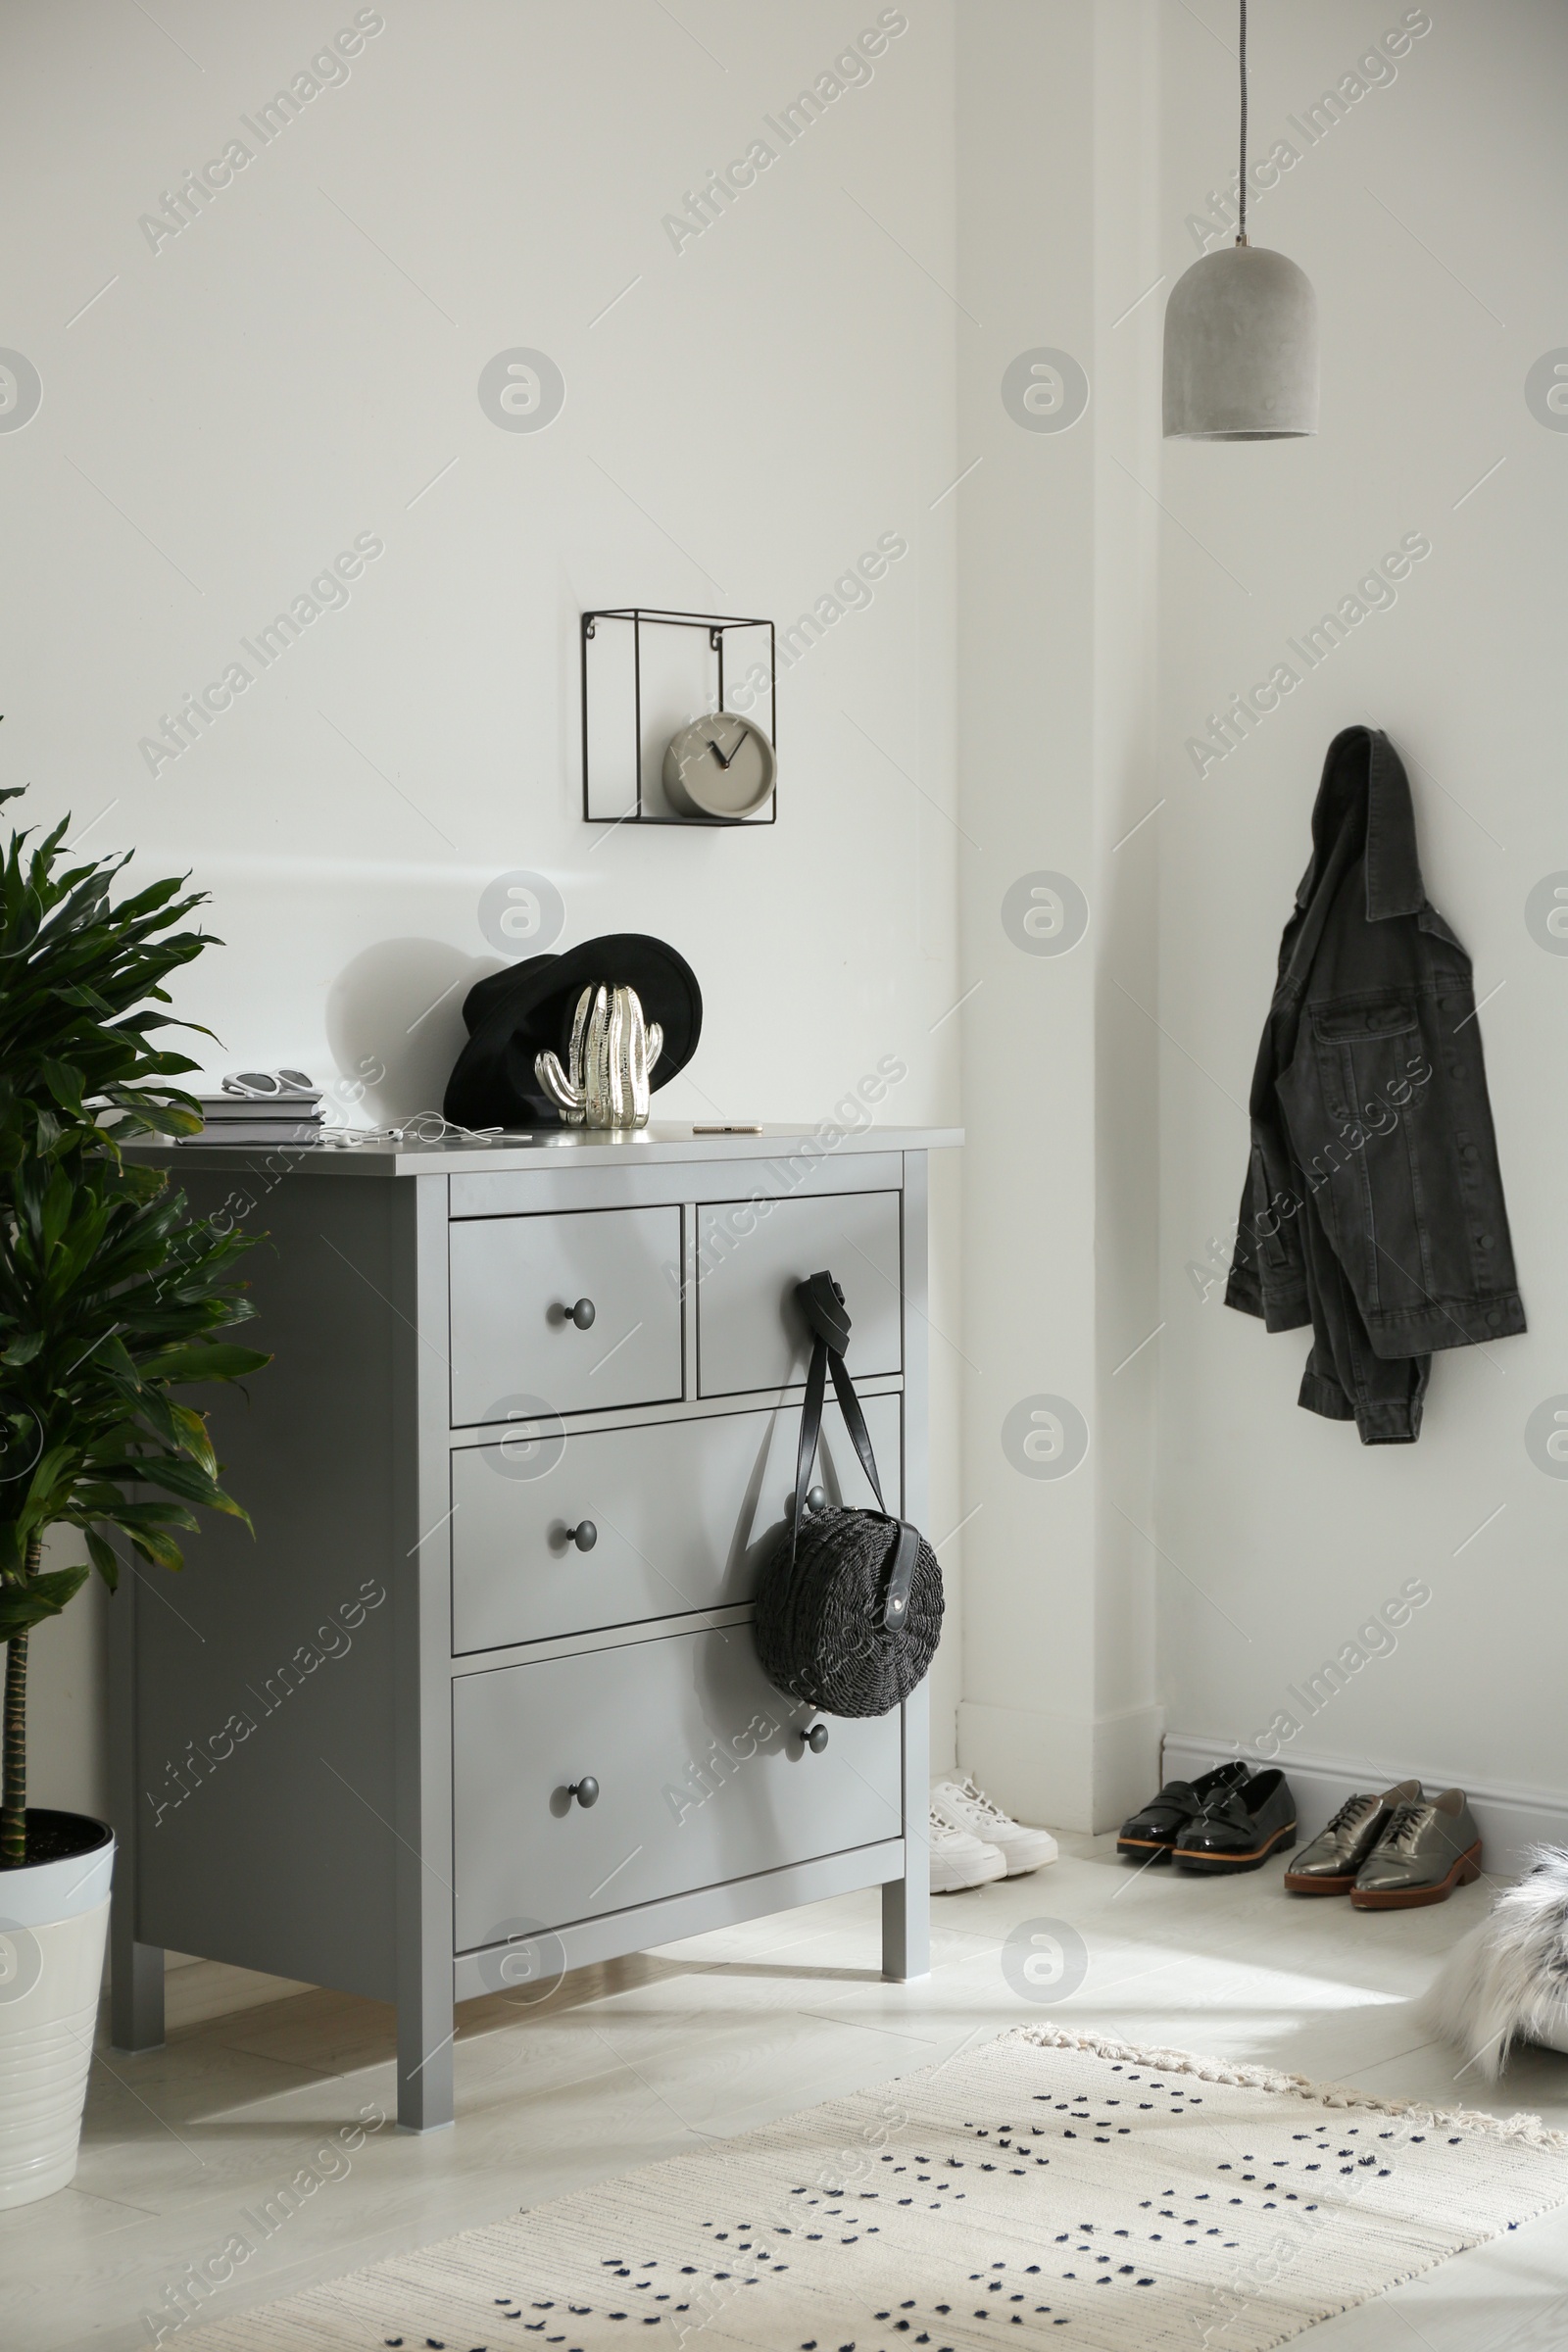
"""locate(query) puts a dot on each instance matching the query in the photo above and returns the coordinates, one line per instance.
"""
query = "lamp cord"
(1240, 233)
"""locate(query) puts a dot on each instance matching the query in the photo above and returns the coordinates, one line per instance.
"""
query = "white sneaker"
(963, 1806)
(959, 1859)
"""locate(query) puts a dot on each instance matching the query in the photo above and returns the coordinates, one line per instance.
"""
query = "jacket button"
(1471, 1152)
(1487, 1241)
(1445, 1004)
(1494, 1318)
(1456, 1070)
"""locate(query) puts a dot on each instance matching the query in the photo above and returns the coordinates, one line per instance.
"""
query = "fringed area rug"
(1044, 2189)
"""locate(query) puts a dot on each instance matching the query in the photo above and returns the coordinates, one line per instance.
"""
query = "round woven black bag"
(849, 1611)
(821, 1633)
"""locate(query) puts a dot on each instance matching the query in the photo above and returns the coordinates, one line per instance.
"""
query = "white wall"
(299, 364)
(1429, 221)
(1057, 578)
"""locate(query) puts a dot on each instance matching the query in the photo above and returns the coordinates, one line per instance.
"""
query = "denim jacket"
(1373, 1205)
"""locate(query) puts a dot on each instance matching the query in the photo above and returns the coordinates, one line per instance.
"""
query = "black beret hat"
(527, 1007)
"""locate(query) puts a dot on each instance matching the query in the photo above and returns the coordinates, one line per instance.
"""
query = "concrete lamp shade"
(1240, 349)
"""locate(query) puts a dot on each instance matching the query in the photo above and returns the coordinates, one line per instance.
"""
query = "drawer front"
(750, 1334)
(703, 1777)
(685, 1512)
(515, 1281)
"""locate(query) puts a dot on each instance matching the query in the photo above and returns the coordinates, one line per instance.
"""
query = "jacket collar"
(1366, 790)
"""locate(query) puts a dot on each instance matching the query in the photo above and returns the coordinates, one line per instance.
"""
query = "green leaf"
(141, 1114)
(162, 1550)
(216, 1362)
(57, 1202)
(193, 1435)
(180, 1477)
(47, 1474)
(25, 1606)
(103, 1558)
(135, 1517)
(64, 1084)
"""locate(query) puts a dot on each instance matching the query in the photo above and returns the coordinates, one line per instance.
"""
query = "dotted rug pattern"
(1044, 2189)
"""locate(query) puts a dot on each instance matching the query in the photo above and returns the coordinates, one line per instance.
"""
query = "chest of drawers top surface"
(658, 1143)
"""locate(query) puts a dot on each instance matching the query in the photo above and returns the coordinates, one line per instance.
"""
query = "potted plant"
(110, 1295)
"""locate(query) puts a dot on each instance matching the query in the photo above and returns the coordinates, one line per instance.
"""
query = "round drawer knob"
(585, 1791)
(816, 1500)
(582, 1315)
(585, 1535)
(817, 1737)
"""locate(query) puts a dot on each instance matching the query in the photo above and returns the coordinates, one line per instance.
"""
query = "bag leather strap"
(821, 1300)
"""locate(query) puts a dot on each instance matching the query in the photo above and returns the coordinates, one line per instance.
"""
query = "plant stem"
(13, 1804)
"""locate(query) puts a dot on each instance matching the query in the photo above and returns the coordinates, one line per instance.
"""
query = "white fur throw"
(1507, 1979)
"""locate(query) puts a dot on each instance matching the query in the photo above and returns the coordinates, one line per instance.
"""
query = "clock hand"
(719, 755)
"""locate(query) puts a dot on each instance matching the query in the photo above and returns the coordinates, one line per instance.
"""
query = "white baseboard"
(1510, 1820)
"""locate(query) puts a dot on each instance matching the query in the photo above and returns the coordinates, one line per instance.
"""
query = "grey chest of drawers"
(479, 1703)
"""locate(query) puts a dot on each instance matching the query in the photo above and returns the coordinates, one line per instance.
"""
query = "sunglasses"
(261, 1083)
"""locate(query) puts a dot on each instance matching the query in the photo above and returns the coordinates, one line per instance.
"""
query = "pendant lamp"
(1241, 337)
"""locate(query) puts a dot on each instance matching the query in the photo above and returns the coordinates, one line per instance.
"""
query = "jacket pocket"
(1364, 1023)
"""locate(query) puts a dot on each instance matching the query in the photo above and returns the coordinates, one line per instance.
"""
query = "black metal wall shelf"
(647, 675)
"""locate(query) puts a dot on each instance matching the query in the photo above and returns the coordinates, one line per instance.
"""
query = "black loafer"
(1238, 1831)
(1154, 1829)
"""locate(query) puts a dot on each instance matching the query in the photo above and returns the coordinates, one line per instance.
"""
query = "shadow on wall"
(394, 1022)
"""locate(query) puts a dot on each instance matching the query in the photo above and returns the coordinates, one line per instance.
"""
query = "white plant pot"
(53, 1920)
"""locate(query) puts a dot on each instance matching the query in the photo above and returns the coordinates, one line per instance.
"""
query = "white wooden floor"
(641, 2058)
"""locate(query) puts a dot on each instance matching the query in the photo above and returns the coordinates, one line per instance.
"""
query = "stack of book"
(294, 1117)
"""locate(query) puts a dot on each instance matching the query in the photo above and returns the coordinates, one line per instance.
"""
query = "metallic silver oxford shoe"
(1430, 1848)
(1330, 1862)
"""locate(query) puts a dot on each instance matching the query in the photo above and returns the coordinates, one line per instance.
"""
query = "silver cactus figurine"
(612, 1050)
